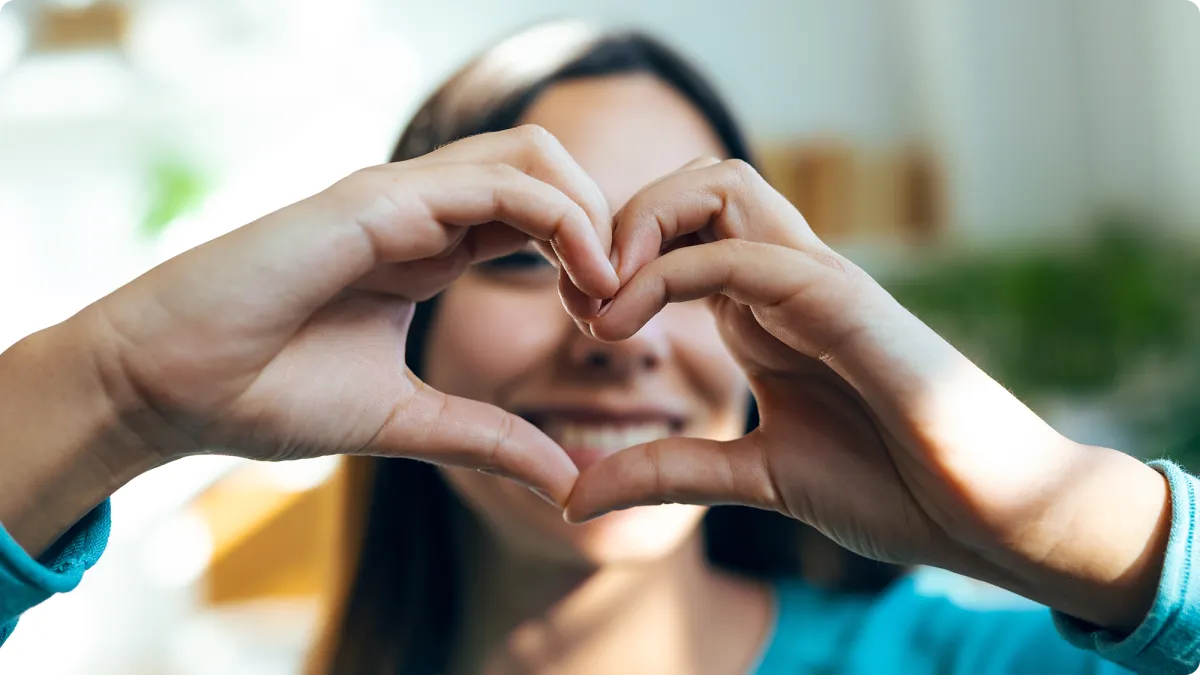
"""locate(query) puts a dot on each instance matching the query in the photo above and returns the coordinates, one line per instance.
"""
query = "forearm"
(63, 445)
(1080, 529)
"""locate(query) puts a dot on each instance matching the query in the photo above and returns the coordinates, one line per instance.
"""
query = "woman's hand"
(285, 338)
(874, 429)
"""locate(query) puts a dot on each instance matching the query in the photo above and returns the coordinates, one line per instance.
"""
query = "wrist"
(65, 444)
(1120, 541)
(1104, 566)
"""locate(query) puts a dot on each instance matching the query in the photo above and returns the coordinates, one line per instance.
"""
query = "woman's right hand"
(285, 339)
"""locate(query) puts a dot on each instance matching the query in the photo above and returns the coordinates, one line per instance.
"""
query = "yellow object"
(269, 541)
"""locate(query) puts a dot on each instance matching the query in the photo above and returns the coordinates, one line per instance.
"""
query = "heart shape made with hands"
(785, 304)
(859, 402)
(291, 350)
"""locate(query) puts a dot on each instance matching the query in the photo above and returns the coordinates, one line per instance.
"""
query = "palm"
(328, 385)
(332, 388)
(829, 460)
(902, 490)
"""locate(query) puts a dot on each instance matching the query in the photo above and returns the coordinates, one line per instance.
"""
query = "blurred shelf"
(849, 192)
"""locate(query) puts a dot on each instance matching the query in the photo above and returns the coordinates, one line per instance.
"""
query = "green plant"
(1078, 322)
(176, 187)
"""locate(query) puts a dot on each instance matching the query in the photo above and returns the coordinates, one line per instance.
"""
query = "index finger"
(536, 152)
(422, 212)
(709, 199)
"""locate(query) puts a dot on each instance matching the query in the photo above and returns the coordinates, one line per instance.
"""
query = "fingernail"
(604, 305)
(545, 496)
(593, 309)
(614, 257)
(584, 519)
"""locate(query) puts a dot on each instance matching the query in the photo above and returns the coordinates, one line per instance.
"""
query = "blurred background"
(1025, 175)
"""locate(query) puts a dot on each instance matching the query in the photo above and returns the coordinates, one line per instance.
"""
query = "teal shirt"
(906, 630)
(912, 629)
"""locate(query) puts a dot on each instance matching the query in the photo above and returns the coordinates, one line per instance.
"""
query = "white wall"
(1042, 110)
(1122, 161)
(1175, 71)
(792, 66)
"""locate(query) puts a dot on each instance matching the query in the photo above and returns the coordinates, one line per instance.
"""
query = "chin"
(532, 529)
(636, 536)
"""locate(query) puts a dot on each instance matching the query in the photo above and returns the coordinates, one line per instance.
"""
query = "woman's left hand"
(873, 429)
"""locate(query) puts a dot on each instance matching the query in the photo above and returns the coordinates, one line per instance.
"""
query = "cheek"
(710, 367)
(484, 337)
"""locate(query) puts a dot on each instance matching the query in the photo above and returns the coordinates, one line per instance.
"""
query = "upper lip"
(606, 414)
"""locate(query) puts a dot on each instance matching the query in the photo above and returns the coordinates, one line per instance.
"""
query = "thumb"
(448, 430)
(676, 470)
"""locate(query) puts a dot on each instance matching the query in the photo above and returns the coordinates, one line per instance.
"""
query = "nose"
(644, 353)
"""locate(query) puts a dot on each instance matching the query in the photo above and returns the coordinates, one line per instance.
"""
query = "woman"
(629, 110)
(499, 583)
(282, 340)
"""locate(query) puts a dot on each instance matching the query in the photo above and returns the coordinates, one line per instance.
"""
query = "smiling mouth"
(589, 436)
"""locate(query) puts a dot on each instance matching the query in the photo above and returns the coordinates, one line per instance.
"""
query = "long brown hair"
(396, 611)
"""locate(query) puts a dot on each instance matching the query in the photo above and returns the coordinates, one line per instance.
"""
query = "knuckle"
(369, 172)
(496, 171)
(536, 137)
(837, 263)
(741, 171)
(567, 215)
(370, 182)
(354, 190)
(654, 460)
(735, 247)
(504, 432)
(700, 162)
(355, 181)
(540, 147)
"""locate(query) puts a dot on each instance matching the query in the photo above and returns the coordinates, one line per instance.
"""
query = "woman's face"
(501, 336)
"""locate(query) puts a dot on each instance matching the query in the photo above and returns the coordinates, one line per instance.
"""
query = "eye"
(522, 266)
(521, 260)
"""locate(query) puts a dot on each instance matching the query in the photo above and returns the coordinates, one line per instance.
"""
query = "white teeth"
(607, 437)
(645, 434)
(571, 435)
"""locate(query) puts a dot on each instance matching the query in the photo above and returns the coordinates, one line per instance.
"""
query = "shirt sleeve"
(26, 582)
(1168, 640)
